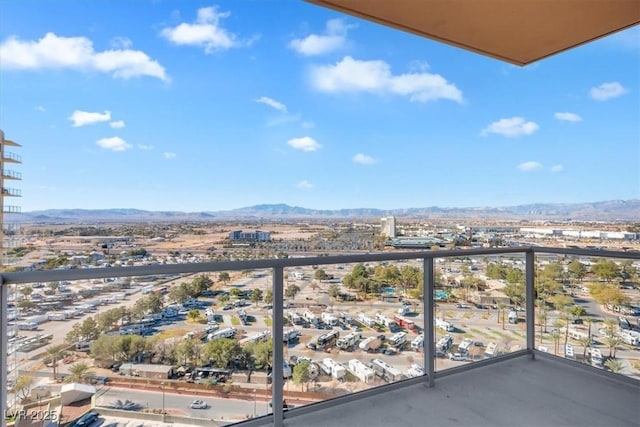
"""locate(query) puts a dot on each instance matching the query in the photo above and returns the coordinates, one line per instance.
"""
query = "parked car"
(227, 307)
(457, 357)
(199, 404)
(86, 419)
(460, 305)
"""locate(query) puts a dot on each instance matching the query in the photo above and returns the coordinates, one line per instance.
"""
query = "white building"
(388, 226)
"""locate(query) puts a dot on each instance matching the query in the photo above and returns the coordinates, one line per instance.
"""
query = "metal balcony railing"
(277, 267)
(11, 158)
(12, 209)
(9, 174)
(11, 192)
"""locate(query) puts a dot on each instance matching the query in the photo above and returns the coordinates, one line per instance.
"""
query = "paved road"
(220, 409)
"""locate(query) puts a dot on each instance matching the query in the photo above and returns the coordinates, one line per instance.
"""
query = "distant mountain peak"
(611, 210)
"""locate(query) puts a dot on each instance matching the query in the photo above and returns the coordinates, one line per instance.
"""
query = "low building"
(251, 236)
(75, 392)
(145, 370)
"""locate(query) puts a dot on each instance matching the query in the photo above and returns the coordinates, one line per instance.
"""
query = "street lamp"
(162, 388)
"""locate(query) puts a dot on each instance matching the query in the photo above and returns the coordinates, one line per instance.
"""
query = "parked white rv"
(444, 325)
(333, 368)
(415, 371)
(366, 320)
(349, 341)
(386, 371)
(370, 344)
(329, 319)
(418, 343)
(361, 371)
(398, 339)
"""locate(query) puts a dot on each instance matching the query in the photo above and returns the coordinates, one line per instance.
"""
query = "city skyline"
(174, 106)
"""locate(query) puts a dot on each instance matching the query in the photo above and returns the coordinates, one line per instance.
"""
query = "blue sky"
(184, 105)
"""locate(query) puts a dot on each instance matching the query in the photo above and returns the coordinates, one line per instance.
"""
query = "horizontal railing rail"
(22, 277)
(277, 267)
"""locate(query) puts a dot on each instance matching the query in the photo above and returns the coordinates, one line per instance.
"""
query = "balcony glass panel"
(588, 310)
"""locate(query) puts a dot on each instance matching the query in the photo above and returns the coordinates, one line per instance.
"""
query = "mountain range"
(612, 210)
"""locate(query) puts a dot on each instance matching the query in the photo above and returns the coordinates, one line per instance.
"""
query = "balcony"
(523, 384)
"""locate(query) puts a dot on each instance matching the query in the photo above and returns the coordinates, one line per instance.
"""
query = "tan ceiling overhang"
(516, 31)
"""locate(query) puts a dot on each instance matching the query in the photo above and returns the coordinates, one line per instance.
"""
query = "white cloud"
(352, 75)
(272, 103)
(77, 53)
(511, 127)
(169, 155)
(205, 32)
(334, 38)
(557, 168)
(82, 118)
(568, 117)
(118, 124)
(306, 143)
(607, 91)
(364, 159)
(145, 147)
(115, 144)
(41, 108)
(529, 166)
(306, 185)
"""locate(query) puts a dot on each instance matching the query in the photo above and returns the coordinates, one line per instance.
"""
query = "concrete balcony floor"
(515, 392)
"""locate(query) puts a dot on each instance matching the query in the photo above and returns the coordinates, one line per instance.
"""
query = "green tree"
(189, 351)
(268, 296)
(78, 373)
(611, 337)
(235, 292)
(23, 386)
(193, 315)
(105, 348)
(614, 365)
(501, 307)
(577, 270)
(291, 291)
(515, 291)
(256, 296)
(301, 374)
(87, 330)
(262, 353)
(334, 291)
(578, 311)
(410, 277)
(606, 269)
(514, 276)
(560, 301)
(55, 352)
(180, 293)
(585, 342)
(199, 285)
(26, 291)
(224, 277)
(605, 293)
(628, 272)
(221, 351)
(495, 271)
(320, 275)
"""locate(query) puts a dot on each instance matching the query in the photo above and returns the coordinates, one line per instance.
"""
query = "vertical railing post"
(4, 307)
(530, 295)
(428, 331)
(277, 382)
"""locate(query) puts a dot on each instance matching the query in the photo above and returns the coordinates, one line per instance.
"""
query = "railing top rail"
(205, 267)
